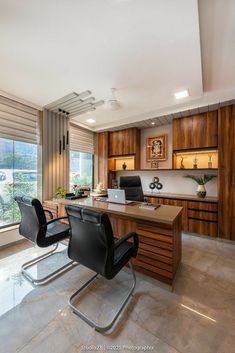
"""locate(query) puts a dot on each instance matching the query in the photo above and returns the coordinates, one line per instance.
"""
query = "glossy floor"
(198, 316)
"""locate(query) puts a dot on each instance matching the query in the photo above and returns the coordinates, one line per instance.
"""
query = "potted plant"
(201, 181)
(60, 192)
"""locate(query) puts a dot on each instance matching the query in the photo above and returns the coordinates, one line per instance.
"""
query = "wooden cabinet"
(197, 217)
(124, 142)
(203, 218)
(197, 131)
(227, 172)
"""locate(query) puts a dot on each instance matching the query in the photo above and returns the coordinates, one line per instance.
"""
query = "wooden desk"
(159, 233)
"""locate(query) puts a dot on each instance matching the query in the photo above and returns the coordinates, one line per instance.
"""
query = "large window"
(81, 169)
(18, 174)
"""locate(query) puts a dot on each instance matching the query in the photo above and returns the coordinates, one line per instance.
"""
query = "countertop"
(180, 196)
(164, 214)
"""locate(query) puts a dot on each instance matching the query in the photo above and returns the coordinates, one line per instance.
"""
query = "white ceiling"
(146, 49)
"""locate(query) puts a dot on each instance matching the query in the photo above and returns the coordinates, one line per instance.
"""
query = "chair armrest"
(50, 213)
(56, 219)
(125, 238)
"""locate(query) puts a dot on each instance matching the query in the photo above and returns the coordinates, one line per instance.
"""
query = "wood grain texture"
(124, 142)
(197, 217)
(196, 132)
(52, 207)
(173, 202)
(103, 158)
(227, 172)
(159, 249)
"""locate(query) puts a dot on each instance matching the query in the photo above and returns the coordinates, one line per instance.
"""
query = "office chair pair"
(91, 244)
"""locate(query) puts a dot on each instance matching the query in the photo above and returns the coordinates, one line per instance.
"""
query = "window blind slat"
(81, 140)
(18, 121)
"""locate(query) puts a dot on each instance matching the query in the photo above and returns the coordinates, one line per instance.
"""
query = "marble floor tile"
(197, 316)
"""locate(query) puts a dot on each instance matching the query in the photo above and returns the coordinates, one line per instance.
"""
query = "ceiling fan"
(112, 103)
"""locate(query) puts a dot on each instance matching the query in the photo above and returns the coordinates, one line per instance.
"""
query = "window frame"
(92, 167)
(38, 180)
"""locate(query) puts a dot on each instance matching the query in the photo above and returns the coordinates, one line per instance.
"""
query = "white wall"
(9, 235)
(173, 181)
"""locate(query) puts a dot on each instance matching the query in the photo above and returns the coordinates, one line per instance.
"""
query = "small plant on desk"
(60, 192)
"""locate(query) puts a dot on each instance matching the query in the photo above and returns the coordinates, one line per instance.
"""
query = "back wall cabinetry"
(196, 132)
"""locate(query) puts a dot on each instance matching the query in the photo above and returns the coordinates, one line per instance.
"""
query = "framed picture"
(156, 148)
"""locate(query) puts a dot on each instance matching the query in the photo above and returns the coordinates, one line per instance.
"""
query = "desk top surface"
(164, 214)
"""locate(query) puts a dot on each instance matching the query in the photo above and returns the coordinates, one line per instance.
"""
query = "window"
(18, 174)
(81, 169)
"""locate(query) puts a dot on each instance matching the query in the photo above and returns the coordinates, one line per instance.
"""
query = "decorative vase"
(124, 166)
(201, 191)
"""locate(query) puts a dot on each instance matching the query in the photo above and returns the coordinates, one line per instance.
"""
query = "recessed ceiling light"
(182, 94)
(90, 121)
(153, 123)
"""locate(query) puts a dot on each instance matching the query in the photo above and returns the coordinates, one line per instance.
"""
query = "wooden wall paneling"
(226, 177)
(103, 145)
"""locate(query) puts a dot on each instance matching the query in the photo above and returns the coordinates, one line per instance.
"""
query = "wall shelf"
(161, 169)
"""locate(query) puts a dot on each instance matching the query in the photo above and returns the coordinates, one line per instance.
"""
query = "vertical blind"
(18, 121)
(81, 140)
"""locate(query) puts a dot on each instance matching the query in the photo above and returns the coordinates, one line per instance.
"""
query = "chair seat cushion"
(56, 231)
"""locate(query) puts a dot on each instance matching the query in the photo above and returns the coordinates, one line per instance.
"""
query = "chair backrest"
(133, 188)
(91, 242)
(33, 219)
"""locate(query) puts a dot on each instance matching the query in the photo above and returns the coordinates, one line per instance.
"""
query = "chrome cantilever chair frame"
(33, 215)
(89, 320)
(51, 276)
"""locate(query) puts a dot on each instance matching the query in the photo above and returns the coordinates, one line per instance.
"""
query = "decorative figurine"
(159, 186)
(124, 166)
(209, 161)
(195, 161)
(181, 163)
(152, 186)
(155, 180)
(154, 164)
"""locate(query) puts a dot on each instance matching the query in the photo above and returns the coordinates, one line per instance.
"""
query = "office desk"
(159, 233)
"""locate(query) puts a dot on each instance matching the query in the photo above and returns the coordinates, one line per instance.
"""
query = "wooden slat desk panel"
(159, 234)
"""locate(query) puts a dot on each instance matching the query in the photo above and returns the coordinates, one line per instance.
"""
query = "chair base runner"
(51, 276)
(90, 321)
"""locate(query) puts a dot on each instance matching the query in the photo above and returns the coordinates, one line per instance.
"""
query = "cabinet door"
(203, 218)
(124, 142)
(115, 143)
(197, 131)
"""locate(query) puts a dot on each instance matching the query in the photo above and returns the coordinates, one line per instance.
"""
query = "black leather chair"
(133, 188)
(41, 232)
(93, 245)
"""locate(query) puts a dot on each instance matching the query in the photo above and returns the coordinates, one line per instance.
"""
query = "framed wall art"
(156, 148)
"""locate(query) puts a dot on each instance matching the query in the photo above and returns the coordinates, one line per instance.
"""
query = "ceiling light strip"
(77, 103)
(82, 112)
(67, 98)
